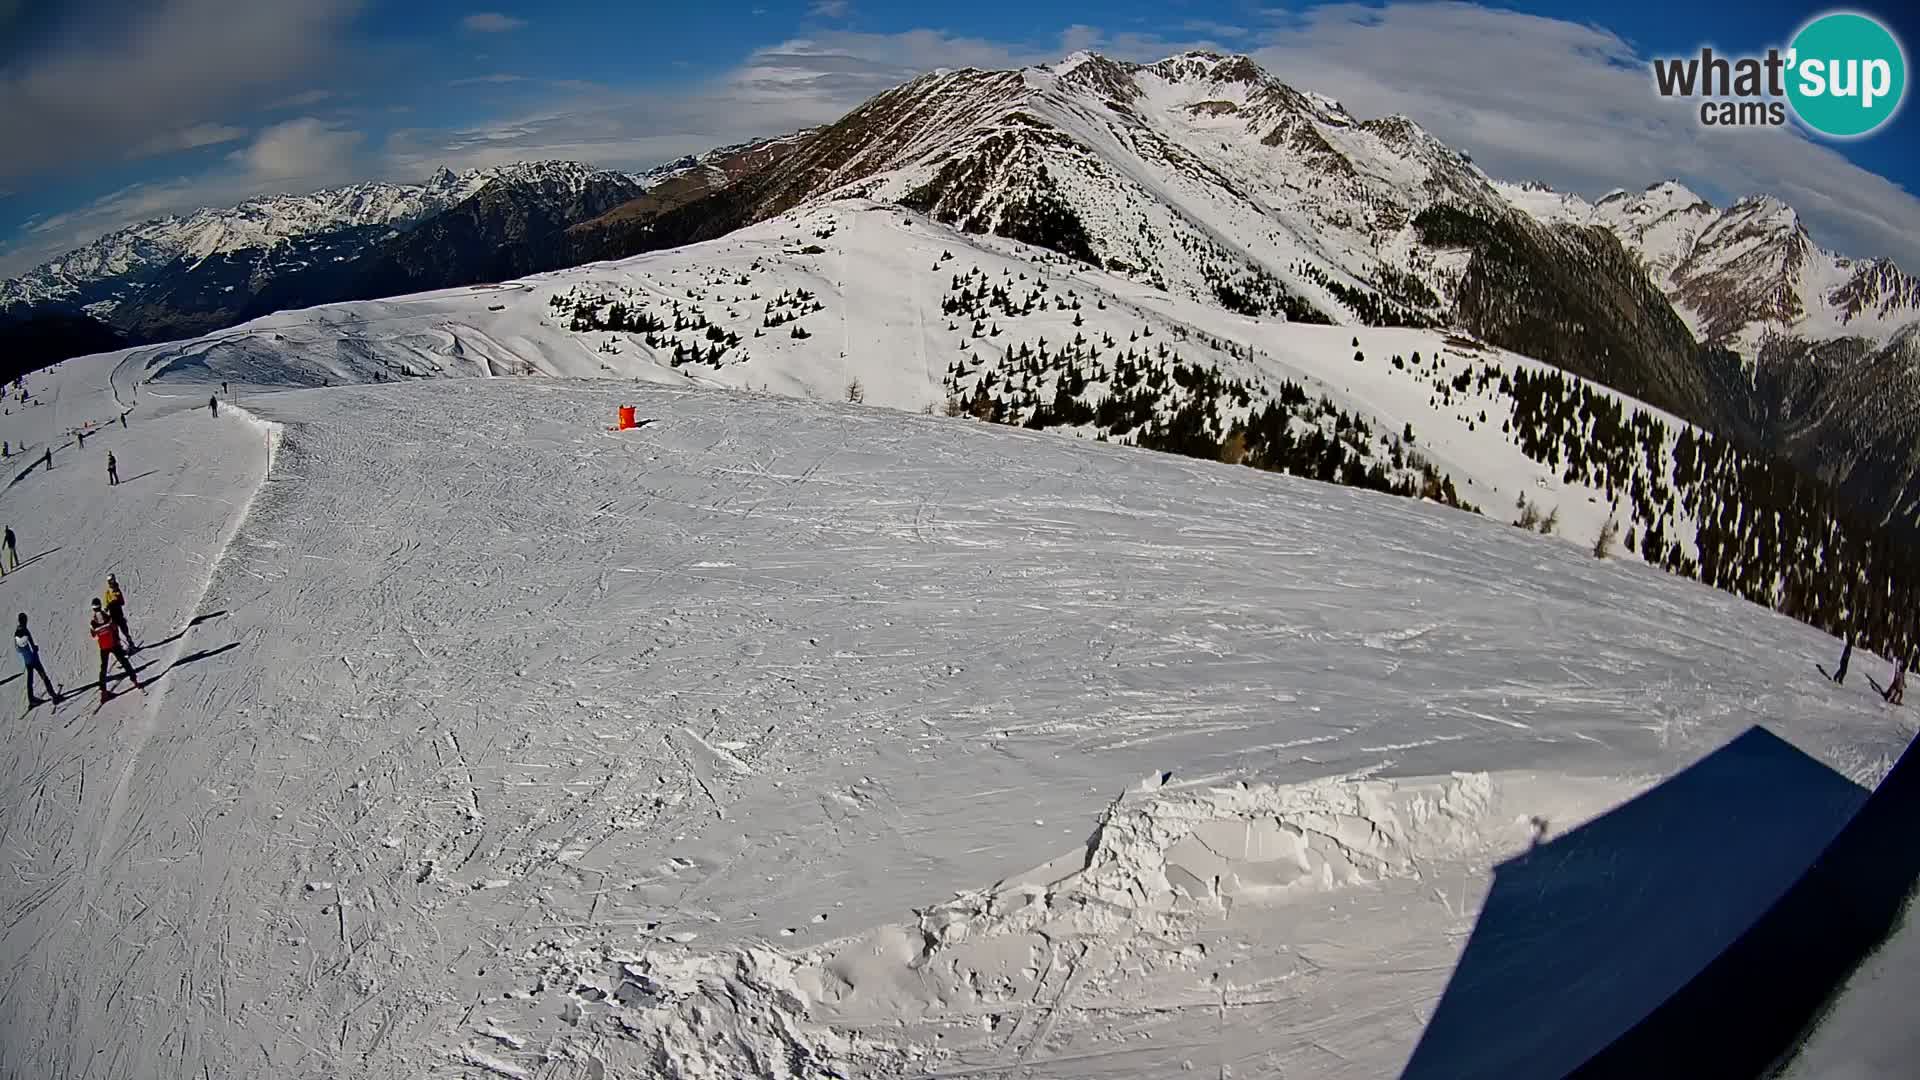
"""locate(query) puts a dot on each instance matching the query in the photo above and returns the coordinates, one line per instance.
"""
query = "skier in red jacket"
(106, 634)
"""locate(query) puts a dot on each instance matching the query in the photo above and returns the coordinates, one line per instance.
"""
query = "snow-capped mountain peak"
(1200, 173)
(1672, 194)
(1741, 274)
(669, 170)
(1763, 205)
(1209, 67)
(565, 175)
(1545, 204)
(1073, 61)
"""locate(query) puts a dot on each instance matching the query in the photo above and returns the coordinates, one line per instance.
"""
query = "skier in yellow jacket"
(116, 604)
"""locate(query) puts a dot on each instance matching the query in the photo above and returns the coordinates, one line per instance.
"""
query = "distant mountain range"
(1744, 274)
(1199, 176)
(182, 275)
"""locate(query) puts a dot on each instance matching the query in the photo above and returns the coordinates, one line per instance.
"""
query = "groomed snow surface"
(789, 739)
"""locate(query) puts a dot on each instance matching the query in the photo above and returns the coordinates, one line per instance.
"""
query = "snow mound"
(700, 1016)
(1175, 851)
(1162, 865)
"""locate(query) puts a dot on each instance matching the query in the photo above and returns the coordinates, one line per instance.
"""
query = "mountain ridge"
(1743, 273)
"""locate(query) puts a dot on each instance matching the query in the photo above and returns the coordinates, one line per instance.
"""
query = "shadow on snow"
(182, 632)
(24, 563)
(1585, 936)
(114, 672)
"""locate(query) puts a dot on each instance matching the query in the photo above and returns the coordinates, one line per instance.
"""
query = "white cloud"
(135, 202)
(842, 67)
(305, 149)
(1573, 105)
(191, 138)
(300, 155)
(1214, 29)
(491, 22)
(482, 80)
(40, 239)
(302, 100)
(1127, 45)
(112, 81)
(830, 9)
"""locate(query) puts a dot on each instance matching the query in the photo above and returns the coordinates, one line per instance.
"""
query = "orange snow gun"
(626, 419)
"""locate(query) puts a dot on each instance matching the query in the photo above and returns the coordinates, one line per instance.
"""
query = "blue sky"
(118, 110)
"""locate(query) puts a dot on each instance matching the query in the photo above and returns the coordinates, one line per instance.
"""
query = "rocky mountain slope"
(1743, 274)
(497, 233)
(1200, 174)
(1850, 412)
(1205, 177)
(1825, 343)
(687, 179)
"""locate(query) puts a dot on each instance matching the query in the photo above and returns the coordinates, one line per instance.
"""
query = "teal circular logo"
(1847, 74)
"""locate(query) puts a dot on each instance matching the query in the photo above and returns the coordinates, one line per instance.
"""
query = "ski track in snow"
(521, 747)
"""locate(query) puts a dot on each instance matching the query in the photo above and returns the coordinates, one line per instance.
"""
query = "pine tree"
(1603, 544)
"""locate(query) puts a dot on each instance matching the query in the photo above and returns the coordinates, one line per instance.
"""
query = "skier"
(113, 470)
(116, 602)
(46, 459)
(82, 436)
(29, 651)
(123, 420)
(223, 386)
(213, 405)
(107, 636)
(1846, 655)
(13, 553)
(1897, 689)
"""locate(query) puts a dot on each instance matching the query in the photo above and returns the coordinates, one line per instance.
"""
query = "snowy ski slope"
(876, 278)
(780, 738)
